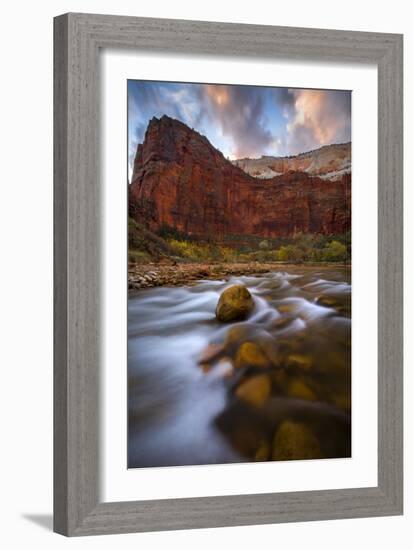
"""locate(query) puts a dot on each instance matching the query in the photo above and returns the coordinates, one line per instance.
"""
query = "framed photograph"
(228, 274)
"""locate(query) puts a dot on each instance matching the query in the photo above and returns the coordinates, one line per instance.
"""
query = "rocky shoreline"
(149, 275)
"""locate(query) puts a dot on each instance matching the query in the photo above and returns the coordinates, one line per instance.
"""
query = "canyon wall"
(180, 180)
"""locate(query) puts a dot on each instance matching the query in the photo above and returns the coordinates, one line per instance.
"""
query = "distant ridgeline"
(329, 162)
(181, 181)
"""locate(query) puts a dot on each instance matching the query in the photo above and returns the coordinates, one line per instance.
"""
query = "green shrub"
(168, 232)
(138, 257)
(314, 248)
(169, 242)
(291, 253)
(335, 252)
(143, 240)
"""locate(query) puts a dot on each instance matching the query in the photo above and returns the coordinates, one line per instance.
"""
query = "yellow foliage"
(202, 251)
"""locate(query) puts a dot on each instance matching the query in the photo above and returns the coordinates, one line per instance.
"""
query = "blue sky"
(243, 121)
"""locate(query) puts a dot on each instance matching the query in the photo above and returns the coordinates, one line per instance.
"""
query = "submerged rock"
(327, 301)
(342, 304)
(223, 368)
(237, 335)
(283, 322)
(250, 355)
(234, 304)
(271, 349)
(342, 401)
(295, 441)
(300, 390)
(210, 353)
(304, 362)
(206, 367)
(263, 452)
(255, 390)
(246, 429)
(288, 308)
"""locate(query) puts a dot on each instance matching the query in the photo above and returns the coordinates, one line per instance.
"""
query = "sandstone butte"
(181, 180)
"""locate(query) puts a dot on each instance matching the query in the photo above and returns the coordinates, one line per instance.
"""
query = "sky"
(243, 121)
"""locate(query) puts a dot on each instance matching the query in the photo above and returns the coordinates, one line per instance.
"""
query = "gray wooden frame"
(78, 39)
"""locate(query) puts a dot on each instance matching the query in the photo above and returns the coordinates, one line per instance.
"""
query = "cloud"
(148, 99)
(240, 113)
(320, 117)
(243, 121)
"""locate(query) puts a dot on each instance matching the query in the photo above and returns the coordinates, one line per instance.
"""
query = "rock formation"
(329, 162)
(180, 180)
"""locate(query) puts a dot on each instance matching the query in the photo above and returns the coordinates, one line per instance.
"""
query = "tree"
(264, 245)
(335, 251)
(290, 253)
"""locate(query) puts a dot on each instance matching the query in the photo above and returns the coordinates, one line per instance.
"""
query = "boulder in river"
(234, 304)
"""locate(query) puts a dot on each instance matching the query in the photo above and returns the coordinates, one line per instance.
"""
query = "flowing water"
(181, 414)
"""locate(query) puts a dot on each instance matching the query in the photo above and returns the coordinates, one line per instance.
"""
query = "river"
(184, 413)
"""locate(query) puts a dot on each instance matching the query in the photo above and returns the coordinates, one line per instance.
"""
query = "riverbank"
(168, 274)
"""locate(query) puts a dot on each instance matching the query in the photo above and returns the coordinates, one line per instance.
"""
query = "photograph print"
(239, 274)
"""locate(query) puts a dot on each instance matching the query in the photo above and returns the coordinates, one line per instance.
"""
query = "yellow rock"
(271, 350)
(250, 355)
(299, 389)
(254, 391)
(295, 441)
(235, 303)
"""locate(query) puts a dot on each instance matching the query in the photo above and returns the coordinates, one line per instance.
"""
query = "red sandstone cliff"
(181, 180)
